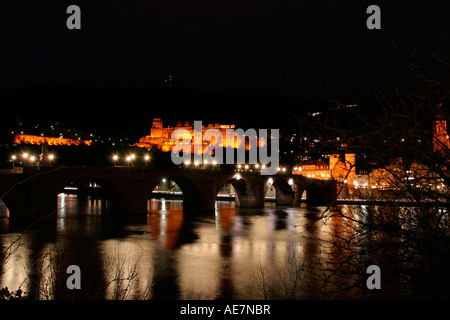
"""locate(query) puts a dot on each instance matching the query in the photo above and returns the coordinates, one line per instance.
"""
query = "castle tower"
(441, 142)
(156, 130)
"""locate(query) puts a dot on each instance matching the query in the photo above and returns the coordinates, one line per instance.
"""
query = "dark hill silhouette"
(132, 109)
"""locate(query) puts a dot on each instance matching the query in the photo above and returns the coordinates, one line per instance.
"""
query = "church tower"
(441, 142)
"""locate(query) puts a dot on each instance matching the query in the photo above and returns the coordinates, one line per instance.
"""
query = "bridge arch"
(319, 191)
(4, 211)
(108, 188)
(248, 190)
(193, 199)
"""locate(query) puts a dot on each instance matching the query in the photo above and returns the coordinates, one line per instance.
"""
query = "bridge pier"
(136, 191)
(298, 189)
(251, 196)
(32, 201)
(209, 193)
(283, 198)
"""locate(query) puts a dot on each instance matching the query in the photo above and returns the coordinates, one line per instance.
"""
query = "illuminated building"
(337, 168)
(343, 168)
(160, 138)
(51, 141)
(317, 169)
(441, 142)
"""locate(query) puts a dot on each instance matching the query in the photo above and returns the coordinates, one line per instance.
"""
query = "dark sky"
(292, 48)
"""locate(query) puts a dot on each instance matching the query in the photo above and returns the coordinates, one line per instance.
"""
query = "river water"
(232, 253)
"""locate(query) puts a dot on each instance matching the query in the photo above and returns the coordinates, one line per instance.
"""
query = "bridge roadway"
(33, 195)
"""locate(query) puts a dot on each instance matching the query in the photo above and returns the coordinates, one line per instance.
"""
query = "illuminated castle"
(160, 138)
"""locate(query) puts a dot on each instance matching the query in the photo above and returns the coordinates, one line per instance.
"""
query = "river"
(232, 253)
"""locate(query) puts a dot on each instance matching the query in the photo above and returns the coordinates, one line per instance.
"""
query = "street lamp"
(128, 160)
(13, 158)
(115, 157)
(51, 157)
(25, 157)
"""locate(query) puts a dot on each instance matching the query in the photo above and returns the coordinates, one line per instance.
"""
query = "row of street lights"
(129, 159)
(247, 167)
(240, 167)
(27, 157)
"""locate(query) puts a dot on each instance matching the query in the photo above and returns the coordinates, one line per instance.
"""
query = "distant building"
(339, 167)
(441, 141)
(51, 141)
(160, 138)
(317, 169)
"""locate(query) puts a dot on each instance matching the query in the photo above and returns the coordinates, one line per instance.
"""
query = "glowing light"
(237, 176)
(51, 141)
(291, 182)
(270, 181)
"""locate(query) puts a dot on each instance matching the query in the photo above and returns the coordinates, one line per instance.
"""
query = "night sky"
(289, 49)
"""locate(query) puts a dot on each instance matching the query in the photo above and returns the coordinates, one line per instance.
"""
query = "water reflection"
(234, 253)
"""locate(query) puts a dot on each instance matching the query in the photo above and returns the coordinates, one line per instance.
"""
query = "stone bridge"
(33, 195)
